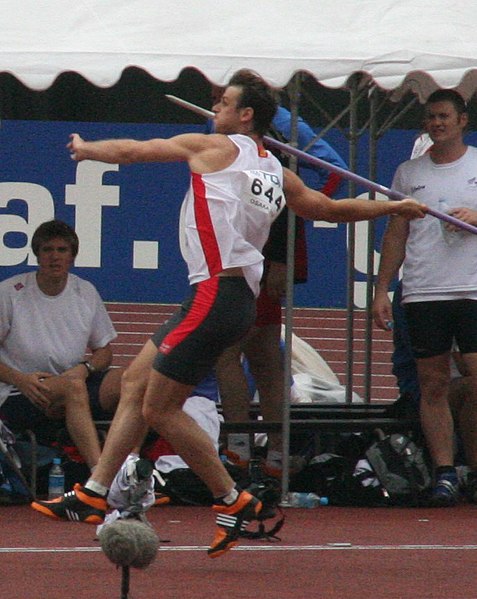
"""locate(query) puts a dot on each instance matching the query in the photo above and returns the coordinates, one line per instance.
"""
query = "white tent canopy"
(423, 44)
(400, 45)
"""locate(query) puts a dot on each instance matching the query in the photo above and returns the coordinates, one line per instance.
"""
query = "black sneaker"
(77, 505)
(446, 490)
(231, 521)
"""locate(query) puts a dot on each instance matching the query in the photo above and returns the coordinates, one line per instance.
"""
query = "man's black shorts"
(434, 325)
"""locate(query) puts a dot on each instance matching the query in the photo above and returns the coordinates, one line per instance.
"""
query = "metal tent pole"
(294, 93)
(351, 234)
(368, 337)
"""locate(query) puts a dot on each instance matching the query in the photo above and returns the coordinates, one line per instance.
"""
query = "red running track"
(325, 553)
(324, 329)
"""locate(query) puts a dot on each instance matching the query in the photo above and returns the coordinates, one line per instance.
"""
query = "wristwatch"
(89, 367)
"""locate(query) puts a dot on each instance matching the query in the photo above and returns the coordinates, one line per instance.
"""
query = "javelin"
(346, 174)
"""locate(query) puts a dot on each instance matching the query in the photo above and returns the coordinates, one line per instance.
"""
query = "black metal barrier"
(327, 418)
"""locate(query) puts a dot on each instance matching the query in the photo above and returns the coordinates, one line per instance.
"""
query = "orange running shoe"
(76, 505)
(161, 499)
(232, 520)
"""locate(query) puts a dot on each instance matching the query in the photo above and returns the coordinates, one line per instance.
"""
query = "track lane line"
(256, 548)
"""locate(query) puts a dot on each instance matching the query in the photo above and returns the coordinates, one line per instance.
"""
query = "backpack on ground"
(13, 486)
(392, 470)
(401, 468)
(183, 487)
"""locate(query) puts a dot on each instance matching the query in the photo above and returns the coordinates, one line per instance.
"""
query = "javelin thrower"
(237, 189)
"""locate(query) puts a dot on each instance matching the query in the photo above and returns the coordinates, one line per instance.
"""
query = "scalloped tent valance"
(410, 44)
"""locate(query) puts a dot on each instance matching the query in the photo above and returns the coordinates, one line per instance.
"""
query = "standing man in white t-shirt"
(439, 281)
(49, 320)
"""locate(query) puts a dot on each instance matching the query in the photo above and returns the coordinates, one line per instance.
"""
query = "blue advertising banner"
(126, 217)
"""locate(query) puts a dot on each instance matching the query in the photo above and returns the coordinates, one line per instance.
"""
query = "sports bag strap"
(262, 533)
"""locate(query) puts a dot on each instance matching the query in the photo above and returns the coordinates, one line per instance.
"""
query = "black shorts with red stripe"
(217, 314)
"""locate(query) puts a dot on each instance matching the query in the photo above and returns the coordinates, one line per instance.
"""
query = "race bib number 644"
(264, 192)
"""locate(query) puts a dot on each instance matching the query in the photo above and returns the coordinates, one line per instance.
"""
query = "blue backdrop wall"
(127, 216)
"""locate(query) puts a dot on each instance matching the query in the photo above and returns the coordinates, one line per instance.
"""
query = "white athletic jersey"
(438, 264)
(47, 333)
(226, 215)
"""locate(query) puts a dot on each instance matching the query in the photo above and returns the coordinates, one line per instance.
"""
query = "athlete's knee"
(149, 415)
(134, 381)
(155, 417)
(162, 407)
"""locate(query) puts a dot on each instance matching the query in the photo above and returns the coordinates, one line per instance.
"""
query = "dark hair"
(52, 229)
(448, 95)
(256, 94)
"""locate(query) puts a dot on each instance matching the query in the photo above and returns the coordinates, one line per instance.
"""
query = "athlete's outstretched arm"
(125, 151)
(204, 153)
(313, 205)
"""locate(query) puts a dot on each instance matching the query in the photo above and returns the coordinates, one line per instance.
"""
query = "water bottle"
(449, 236)
(308, 500)
(56, 480)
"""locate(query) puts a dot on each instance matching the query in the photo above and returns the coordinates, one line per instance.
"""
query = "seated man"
(49, 319)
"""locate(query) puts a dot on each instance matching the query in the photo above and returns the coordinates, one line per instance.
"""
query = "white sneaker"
(132, 489)
(123, 515)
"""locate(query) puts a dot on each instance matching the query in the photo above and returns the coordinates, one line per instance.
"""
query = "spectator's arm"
(100, 359)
